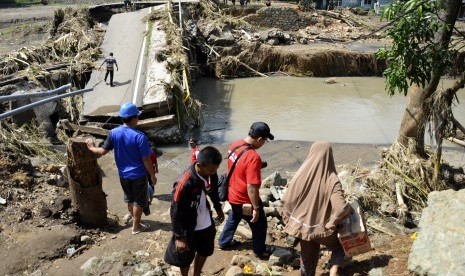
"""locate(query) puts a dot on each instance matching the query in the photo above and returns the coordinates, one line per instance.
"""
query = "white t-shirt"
(203, 214)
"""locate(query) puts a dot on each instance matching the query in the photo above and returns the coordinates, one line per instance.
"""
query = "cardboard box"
(353, 234)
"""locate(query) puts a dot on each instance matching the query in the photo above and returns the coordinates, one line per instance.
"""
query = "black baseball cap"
(261, 129)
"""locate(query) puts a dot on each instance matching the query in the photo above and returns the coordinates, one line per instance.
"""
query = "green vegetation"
(414, 51)
(149, 37)
(25, 2)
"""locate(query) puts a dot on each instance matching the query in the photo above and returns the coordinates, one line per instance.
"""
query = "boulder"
(274, 179)
(439, 249)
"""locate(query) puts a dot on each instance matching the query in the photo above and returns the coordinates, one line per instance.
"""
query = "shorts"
(201, 242)
(135, 191)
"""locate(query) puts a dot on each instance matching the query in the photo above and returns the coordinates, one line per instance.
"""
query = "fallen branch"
(349, 21)
(407, 178)
(212, 50)
(251, 69)
(78, 250)
(457, 141)
(401, 213)
(380, 229)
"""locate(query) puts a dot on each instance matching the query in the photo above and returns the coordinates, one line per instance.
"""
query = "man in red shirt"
(195, 149)
(244, 188)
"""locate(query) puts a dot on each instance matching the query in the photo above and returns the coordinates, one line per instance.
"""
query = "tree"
(420, 56)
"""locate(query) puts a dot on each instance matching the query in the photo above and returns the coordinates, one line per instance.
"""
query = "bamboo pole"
(407, 178)
(457, 141)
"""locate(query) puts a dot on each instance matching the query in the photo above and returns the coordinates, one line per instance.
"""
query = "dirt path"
(283, 156)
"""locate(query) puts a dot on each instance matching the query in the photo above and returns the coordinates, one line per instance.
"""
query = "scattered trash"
(70, 251)
(414, 236)
(248, 269)
(2, 201)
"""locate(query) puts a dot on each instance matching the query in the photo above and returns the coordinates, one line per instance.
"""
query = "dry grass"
(29, 140)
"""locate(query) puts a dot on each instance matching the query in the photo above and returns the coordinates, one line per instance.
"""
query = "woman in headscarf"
(313, 206)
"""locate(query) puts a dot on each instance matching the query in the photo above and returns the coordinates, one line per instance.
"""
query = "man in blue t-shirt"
(132, 156)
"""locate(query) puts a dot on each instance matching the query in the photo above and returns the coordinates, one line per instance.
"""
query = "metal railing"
(41, 102)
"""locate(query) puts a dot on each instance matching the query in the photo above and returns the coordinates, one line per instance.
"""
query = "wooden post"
(85, 183)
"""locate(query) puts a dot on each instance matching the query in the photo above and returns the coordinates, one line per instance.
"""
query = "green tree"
(419, 56)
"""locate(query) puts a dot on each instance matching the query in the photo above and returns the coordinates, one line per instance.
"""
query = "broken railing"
(21, 109)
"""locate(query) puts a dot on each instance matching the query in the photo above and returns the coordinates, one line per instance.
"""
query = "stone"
(265, 191)
(262, 269)
(377, 272)
(87, 264)
(276, 204)
(281, 256)
(85, 238)
(441, 230)
(265, 200)
(234, 271)
(274, 179)
(140, 253)
(271, 211)
(240, 260)
(277, 192)
(273, 41)
(157, 271)
(388, 208)
(331, 81)
(244, 232)
(38, 272)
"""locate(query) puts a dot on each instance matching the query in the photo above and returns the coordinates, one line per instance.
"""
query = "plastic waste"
(70, 250)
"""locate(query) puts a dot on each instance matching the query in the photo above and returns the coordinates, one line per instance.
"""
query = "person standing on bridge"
(132, 157)
(111, 62)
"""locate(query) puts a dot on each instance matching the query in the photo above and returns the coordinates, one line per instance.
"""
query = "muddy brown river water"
(352, 110)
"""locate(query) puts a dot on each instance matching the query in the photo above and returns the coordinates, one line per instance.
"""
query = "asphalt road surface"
(125, 38)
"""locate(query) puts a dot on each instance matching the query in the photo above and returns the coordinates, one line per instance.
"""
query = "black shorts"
(201, 242)
(135, 191)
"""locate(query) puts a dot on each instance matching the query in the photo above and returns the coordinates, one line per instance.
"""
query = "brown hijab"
(313, 203)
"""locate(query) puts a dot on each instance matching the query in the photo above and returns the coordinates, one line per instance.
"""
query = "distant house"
(364, 4)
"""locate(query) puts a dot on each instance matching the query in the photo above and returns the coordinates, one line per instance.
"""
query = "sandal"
(143, 228)
(232, 245)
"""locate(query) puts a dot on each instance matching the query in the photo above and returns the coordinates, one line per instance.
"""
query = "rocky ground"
(38, 226)
(38, 230)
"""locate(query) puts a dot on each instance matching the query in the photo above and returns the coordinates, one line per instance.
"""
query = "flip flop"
(143, 228)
